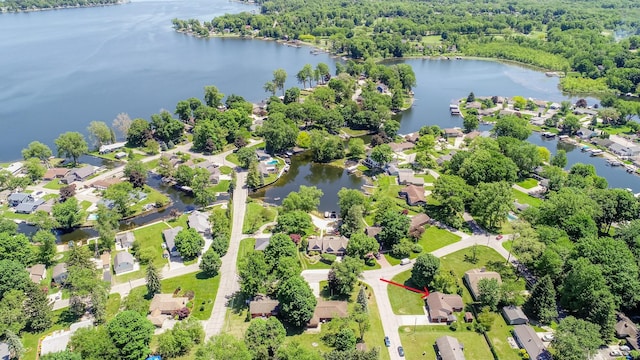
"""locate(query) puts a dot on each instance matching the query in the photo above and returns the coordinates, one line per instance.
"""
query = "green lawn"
(310, 264)
(84, 204)
(498, 335)
(205, 290)
(150, 239)
(417, 340)
(6, 213)
(153, 197)
(222, 186)
(528, 183)
(113, 305)
(225, 170)
(246, 247)
(434, 238)
(257, 215)
(61, 320)
(428, 178)
(180, 221)
(54, 184)
(523, 198)
(403, 301)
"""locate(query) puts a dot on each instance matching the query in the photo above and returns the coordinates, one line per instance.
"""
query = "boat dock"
(454, 109)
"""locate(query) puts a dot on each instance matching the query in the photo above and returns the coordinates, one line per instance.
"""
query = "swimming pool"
(272, 162)
(92, 217)
(511, 217)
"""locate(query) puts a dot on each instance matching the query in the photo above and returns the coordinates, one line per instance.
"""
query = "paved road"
(228, 275)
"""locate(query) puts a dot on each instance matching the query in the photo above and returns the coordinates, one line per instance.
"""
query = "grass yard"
(113, 305)
(528, 183)
(405, 302)
(8, 214)
(61, 319)
(354, 133)
(498, 335)
(257, 215)
(417, 340)
(428, 178)
(205, 289)
(150, 239)
(153, 197)
(311, 263)
(246, 247)
(225, 170)
(435, 238)
(180, 221)
(523, 198)
(54, 184)
(85, 204)
(222, 186)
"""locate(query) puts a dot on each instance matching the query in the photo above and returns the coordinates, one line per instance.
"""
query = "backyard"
(257, 215)
(432, 239)
(523, 198)
(418, 340)
(204, 288)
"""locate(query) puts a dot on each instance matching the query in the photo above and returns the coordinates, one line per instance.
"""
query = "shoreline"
(5, 11)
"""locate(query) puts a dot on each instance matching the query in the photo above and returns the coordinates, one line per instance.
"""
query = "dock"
(454, 109)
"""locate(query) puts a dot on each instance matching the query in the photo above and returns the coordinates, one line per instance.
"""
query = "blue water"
(272, 162)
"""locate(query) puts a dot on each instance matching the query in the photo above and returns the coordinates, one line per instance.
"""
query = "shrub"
(416, 248)
(454, 326)
(328, 258)
(183, 313)
(189, 294)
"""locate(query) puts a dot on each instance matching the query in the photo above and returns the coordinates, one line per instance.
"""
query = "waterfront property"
(328, 244)
(200, 222)
(170, 239)
(125, 240)
(60, 273)
(78, 174)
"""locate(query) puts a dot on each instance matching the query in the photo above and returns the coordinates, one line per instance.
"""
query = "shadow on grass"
(327, 294)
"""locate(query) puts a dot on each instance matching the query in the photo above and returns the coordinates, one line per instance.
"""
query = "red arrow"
(425, 292)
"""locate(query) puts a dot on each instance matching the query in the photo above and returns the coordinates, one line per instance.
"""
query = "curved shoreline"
(6, 11)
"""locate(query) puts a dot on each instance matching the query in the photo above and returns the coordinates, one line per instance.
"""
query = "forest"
(588, 40)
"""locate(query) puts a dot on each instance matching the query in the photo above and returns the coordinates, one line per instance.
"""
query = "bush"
(145, 255)
(454, 326)
(183, 313)
(401, 250)
(189, 294)
(416, 248)
(328, 258)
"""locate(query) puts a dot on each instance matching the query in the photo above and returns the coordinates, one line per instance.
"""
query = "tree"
(253, 272)
(42, 220)
(297, 302)
(294, 351)
(264, 337)
(100, 133)
(279, 78)
(68, 214)
(139, 131)
(181, 339)
(348, 198)
(304, 74)
(16, 247)
(560, 159)
(223, 347)
(246, 156)
(93, 343)
(356, 148)
(122, 123)
(391, 128)
(382, 154)
(270, 87)
(353, 222)
(394, 227)
(360, 245)
(362, 300)
(345, 340)
(12, 316)
(291, 95)
(576, 339)
(47, 249)
(325, 147)
(107, 223)
(37, 150)
(200, 186)
(153, 280)
(254, 177)
(471, 97)
(189, 243)
(279, 133)
(212, 96)
(280, 246)
(424, 269)
(67, 192)
(210, 263)
(80, 257)
(542, 302)
(571, 124)
(485, 166)
(512, 126)
(61, 355)
(294, 222)
(492, 203)
(120, 194)
(16, 349)
(131, 334)
(344, 275)
(470, 123)
(37, 308)
(489, 293)
(306, 199)
(71, 145)
(34, 170)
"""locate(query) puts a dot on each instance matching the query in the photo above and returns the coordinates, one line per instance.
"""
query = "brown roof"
(332, 244)
(326, 310)
(405, 145)
(472, 135)
(419, 220)
(37, 272)
(414, 194)
(55, 173)
(106, 259)
(413, 137)
(452, 132)
(443, 305)
(625, 328)
(263, 306)
(473, 276)
(166, 303)
(372, 230)
(103, 184)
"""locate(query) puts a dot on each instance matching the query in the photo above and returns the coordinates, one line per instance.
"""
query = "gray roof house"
(514, 315)
(79, 174)
(214, 171)
(170, 239)
(123, 262)
(28, 207)
(449, 348)
(261, 244)
(16, 199)
(60, 273)
(329, 244)
(199, 221)
(407, 176)
(125, 239)
(585, 133)
(528, 340)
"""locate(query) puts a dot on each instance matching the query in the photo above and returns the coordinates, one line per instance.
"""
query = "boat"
(630, 169)
(585, 148)
(548, 135)
(596, 152)
(563, 137)
(612, 162)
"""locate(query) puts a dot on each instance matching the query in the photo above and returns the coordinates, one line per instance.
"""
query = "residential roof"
(414, 194)
(37, 273)
(412, 137)
(18, 197)
(513, 313)
(449, 348)
(199, 221)
(14, 167)
(452, 132)
(328, 310)
(167, 303)
(28, 207)
(443, 305)
(625, 328)
(529, 340)
(334, 244)
(123, 257)
(473, 276)
(103, 184)
(59, 269)
(106, 258)
(261, 244)
(170, 236)
(125, 239)
(440, 160)
(263, 305)
(372, 230)
(405, 145)
(419, 220)
(4, 351)
(83, 172)
(55, 173)
(111, 147)
(59, 339)
(407, 176)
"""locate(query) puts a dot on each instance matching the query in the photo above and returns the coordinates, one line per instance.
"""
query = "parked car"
(387, 342)
(400, 351)
(615, 353)
(405, 261)
(547, 337)
(499, 237)
(625, 348)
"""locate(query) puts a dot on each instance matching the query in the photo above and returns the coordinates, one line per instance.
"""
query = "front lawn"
(61, 320)
(113, 305)
(54, 184)
(150, 240)
(418, 340)
(523, 198)
(225, 170)
(222, 186)
(257, 215)
(403, 301)
(435, 238)
(528, 183)
(205, 289)
(246, 248)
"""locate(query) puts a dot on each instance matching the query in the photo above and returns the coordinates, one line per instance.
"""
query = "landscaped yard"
(150, 240)
(225, 170)
(205, 289)
(222, 186)
(417, 340)
(434, 238)
(498, 335)
(257, 215)
(246, 247)
(54, 185)
(308, 263)
(523, 198)
(403, 301)
(528, 183)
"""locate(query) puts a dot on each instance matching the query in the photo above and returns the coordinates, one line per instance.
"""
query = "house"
(200, 222)
(468, 317)
(261, 244)
(328, 244)
(60, 273)
(407, 176)
(59, 339)
(164, 306)
(4, 351)
(105, 149)
(123, 262)
(55, 173)
(626, 329)
(622, 150)
(78, 174)
(213, 169)
(109, 204)
(601, 142)
(16, 199)
(537, 121)
(125, 239)
(453, 132)
(520, 207)
(370, 163)
(528, 340)
(327, 310)
(263, 155)
(449, 348)
(399, 147)
(413, 137)
(267, 170)
(105, 258)
(104, 184)
(262, 306)
(473, 105)
(120, 155)
(442, 306)
(442, 159)
(14, 168)
(514, 315)
(472, 135)
(393, 170)
(555, 106)
(170, 239)
(37, 273)
(585, 134)
(414, 195)
(473, 276)
(174, 160)
(419, 220)
(372, 231)
(28, 207)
